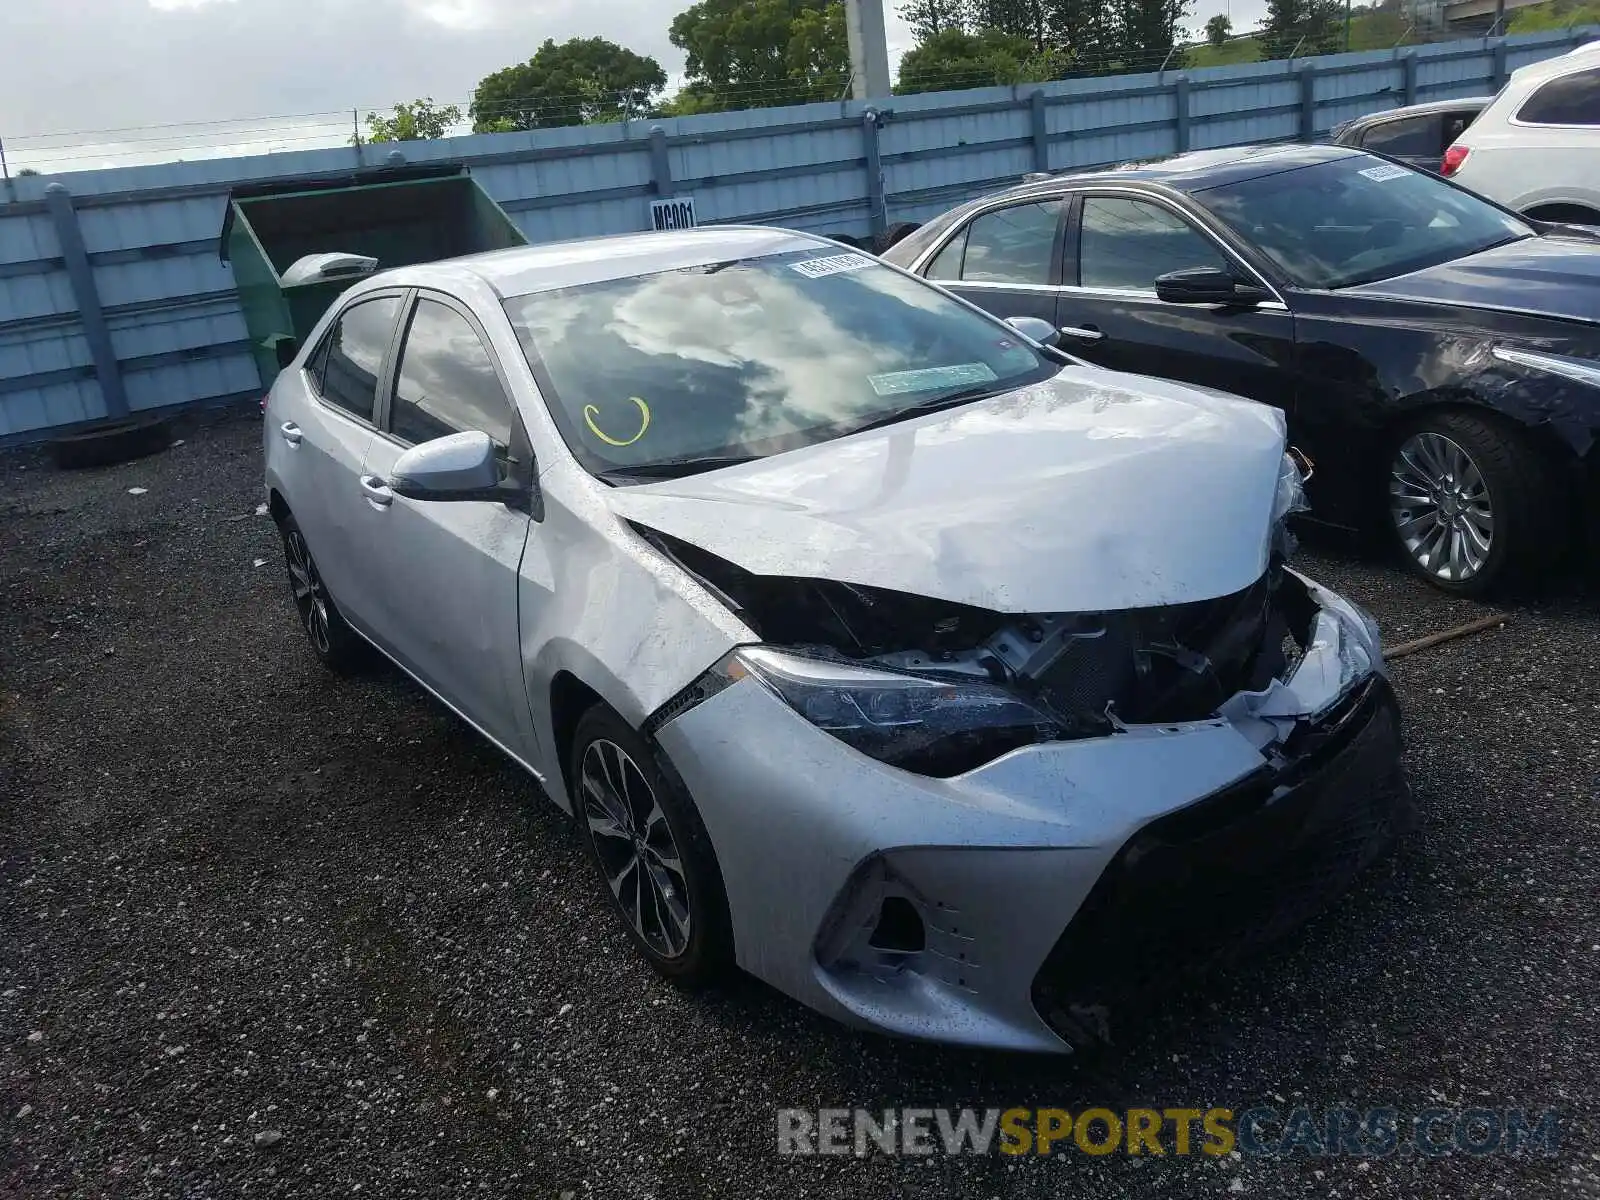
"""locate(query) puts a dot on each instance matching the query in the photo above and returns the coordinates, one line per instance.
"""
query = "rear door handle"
(377, 491)
(291, 433)
(1084, 333)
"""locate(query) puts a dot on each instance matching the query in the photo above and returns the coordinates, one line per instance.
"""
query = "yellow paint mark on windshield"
(591, 411)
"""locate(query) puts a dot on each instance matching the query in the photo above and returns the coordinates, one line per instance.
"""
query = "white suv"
(1536, 147)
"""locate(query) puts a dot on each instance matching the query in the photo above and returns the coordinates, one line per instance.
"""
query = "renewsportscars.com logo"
(1214, 1132)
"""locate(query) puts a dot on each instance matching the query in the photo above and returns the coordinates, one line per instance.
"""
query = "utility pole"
(869, 48)
(1347, 26)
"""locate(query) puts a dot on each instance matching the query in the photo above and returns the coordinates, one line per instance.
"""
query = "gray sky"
(248, 76)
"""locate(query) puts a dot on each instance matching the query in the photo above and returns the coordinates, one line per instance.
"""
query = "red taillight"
(1453, 158)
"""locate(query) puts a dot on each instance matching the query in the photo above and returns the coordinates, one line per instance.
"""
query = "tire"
(1565, 214)
(332, 640)
(604, 751)
(108, 444)
(1493, 487)
(893, 236)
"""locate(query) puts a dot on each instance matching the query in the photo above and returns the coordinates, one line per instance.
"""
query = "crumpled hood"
(1092, 491)
(1550, 276)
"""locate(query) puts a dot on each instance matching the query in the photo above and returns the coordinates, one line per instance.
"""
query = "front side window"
(1358, 219)
(1011, 245)
(1570, 100)
(447, 382)
(1413, 137)
(668, 372)
(349, 363)
(1125, 244)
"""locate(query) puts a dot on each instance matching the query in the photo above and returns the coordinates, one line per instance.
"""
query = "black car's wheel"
(646, 837)
(1470, 503)
(338, 646)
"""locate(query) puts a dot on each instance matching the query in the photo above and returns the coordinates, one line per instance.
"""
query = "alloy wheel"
(310, 596)
(636, 848)
(1441, 507)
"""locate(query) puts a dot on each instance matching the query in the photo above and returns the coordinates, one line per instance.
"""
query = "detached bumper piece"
(1225, 876)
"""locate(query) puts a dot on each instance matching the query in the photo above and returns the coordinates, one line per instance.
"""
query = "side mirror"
(285, 346)
(461, 466)
(1036, 329)
(1208, 285)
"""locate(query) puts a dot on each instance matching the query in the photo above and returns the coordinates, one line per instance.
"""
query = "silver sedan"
(956, 688)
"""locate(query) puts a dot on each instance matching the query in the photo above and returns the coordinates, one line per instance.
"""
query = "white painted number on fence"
(672, 214)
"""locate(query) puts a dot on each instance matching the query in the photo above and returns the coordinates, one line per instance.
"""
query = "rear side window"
(1010, 245)
(1570, 100)
(348, 364)
(447, 382)
(1413, 137)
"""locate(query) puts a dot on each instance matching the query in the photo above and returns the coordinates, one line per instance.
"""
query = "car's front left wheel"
(652, 851)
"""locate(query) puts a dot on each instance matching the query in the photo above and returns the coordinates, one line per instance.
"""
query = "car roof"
(1196, 170)
(1417, 110)
(1573, 60)
(523, 270)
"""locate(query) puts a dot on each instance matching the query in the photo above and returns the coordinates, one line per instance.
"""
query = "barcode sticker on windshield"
(1384, 172)
(816, 268)
(897, 383)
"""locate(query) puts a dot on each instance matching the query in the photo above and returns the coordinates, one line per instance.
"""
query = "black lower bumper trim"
(1222, 877)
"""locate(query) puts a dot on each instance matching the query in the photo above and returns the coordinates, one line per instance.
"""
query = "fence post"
(1308, 102)
(1180, 97)
(1500, 72)
(1041, 132)
(1408, 68)
(660, 164)
(81, 275)
(878, 218)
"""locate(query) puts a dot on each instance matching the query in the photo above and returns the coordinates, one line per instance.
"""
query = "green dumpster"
(396, 215)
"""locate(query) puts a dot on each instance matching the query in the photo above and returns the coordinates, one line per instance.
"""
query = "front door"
(446, 571)
(1111, 315)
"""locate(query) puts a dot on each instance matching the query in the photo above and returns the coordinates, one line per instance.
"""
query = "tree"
(1217, 29)
(991, 57)
(1302, 27)
(1085, 31)
(1144, 32)
(417, 121)
(1020, 18)
(929, 18)
(757, 53)
(581, 81)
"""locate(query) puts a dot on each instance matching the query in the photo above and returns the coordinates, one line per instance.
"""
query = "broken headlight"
(931, 726)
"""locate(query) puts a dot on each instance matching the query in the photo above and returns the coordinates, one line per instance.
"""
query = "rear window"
(1570, 100)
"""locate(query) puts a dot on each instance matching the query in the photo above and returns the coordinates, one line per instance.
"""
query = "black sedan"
(1437, 356)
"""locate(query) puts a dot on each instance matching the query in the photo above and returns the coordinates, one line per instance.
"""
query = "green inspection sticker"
(897, 383)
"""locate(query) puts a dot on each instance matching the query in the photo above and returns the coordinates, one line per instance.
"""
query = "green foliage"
(953, 59)
(414, 122)
(1561, 14)
(759, 53)
(929, 18)
(581, 81)
(1218, 28)
(1298, 28)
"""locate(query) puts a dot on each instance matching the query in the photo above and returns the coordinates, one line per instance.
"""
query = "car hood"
(1092, 491)
(1552, 276)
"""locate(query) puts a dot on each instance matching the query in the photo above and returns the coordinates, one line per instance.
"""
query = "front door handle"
(377, 491)
(291, 433)
(1084, 333)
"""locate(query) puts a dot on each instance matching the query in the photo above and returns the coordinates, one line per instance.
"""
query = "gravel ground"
(264, 932)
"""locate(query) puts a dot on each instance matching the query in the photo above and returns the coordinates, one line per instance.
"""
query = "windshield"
(1358, 219)
(744, 359)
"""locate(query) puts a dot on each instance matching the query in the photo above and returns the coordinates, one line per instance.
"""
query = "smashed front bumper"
(1012, 906)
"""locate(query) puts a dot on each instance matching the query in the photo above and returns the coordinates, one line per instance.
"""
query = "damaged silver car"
(954, 687)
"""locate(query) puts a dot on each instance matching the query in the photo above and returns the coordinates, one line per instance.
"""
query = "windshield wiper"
(677, 468)
(932, 404)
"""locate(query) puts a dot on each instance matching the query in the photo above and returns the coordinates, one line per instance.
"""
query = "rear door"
(445, 572)
(1006, 260)
(326, 432)
(1119, 243)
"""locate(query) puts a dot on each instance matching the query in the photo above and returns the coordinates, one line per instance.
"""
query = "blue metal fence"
(113, 298)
